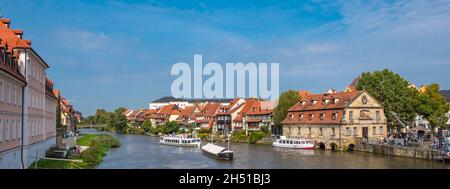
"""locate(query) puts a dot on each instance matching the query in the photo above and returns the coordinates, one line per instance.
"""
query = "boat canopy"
(211, 148)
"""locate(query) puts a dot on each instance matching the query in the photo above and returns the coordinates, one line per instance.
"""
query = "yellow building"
(336, 120)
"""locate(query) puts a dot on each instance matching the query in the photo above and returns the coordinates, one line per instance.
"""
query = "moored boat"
(284, 142)
(180, 140)
(217, 152)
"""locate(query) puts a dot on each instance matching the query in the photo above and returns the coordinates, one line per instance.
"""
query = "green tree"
(88, 120)
(59, 126)
(118, 121)
(285, 101)
(146, 125)
(433, 106)
(393, 92)
(171, 127)
(102, 116)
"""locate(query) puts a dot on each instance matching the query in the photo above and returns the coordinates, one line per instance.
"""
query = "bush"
(256, 136)
(203, 135)
(238, 136)
(156, 130)
(203, 130)
(98, 145)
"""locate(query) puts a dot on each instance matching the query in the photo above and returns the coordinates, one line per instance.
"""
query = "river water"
(145, 152)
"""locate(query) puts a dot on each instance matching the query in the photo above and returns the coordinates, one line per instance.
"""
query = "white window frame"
(13, 125)
(7, 132)
(13, 95)
(1, 91)
(1, 130)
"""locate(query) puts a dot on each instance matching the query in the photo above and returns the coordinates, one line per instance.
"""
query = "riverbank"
(399, 151)
(96, 146)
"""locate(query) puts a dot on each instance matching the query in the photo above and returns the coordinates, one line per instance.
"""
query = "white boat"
(284, 142)
(217, 152)
(180, 140)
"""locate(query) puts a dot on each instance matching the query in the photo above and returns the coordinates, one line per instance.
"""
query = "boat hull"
(220, 156)
(180, 144)
(303, 147)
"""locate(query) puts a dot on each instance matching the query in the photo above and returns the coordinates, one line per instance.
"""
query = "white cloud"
(84, 40)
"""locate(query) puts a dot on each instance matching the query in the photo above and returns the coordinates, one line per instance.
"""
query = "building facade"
(336, 120)
(26, 125)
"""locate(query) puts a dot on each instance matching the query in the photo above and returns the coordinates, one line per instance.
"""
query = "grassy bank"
(98, 146)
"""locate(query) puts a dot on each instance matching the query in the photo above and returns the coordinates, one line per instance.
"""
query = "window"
(333, 131)
(322, 116)
(7, 94)
(347, 131)
(334, 116)
(355, 131)
(7, 133)
(320, 132)
(310, 116)
(374, 130)
(1, 91)
(378, 116)
(350, 115)
(309, 129)
(18, 129)
(291, 116)
(13, 96)
(1, 130)
(300, 117)
(13, 127)
(381, 131)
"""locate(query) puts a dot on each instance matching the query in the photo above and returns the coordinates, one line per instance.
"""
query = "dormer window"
(335, 100)
(302, 103)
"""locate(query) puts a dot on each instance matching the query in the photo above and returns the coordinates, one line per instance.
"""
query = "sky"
(109, 54)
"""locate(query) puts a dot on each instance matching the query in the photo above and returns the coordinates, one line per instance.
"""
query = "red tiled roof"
(247, 106)
(253, 120)
(325, 101)
(324, 105)
(8, 36)
(209, 109)
(167, 109)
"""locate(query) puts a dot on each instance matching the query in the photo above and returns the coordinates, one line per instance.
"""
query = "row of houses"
(28, 103)
(223, 116)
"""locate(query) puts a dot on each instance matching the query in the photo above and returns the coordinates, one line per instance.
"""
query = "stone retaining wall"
(409, 152)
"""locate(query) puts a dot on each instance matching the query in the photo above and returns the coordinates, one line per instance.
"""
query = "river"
(145, 152)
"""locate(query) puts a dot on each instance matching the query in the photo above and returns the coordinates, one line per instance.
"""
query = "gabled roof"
(167, 109)
(307, 102)
(9, 38)
(256, 109)
(209, 109)
(248, 105)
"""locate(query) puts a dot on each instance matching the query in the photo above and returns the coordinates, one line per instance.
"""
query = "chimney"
(18, 33)
(5, 21)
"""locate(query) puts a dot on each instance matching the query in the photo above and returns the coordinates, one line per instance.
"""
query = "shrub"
(256, 136)
(238, 136)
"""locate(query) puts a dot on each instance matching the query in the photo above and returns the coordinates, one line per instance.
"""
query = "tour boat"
(217, 152)
(180, 140)
(284, 142)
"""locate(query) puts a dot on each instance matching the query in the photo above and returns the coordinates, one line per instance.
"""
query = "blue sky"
(113, 53)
